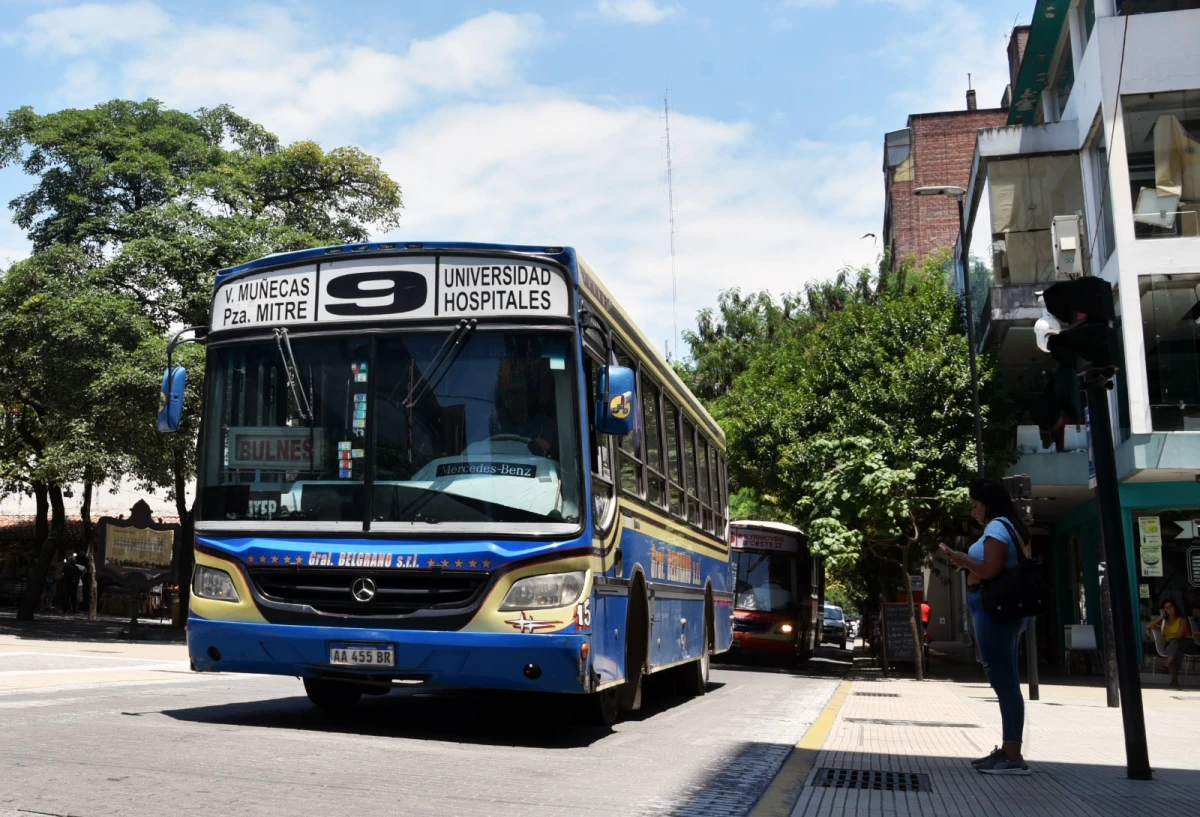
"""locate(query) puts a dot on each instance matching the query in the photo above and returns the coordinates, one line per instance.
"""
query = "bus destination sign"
(763, 540)
(392, 289)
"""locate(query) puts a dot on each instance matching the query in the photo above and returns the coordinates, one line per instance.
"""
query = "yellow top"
(1172, 631)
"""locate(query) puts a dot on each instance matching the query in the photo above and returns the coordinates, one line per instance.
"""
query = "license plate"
(363, 655)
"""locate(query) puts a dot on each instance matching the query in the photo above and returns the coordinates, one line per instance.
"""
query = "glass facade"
(1170, 311)
(1162, 137)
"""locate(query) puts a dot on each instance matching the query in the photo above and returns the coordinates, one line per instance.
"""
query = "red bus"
(778, 589)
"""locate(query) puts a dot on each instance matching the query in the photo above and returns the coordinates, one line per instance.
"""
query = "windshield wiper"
(303, 406)
(451, 348)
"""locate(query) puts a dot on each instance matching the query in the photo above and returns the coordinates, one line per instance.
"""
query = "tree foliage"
(132, 210)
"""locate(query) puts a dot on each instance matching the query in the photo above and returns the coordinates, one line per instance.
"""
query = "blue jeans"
(998, 642)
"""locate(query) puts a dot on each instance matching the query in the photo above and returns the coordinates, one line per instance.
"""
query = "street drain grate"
(877, 694)
(871, 779)
(886, 722)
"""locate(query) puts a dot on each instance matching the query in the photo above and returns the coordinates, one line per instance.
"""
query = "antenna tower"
(671, 221)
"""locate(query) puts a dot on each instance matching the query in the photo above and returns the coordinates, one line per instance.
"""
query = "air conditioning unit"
(1067, 236)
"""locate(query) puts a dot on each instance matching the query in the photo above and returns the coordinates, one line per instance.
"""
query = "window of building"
(1162, 139)
(1170, 310)
(1062, 82)
(674, 458)
(1105, 239)
(1024, 196)
(656, 480)
(629, 449)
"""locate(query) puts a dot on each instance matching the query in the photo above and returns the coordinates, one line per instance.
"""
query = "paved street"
(103, 728)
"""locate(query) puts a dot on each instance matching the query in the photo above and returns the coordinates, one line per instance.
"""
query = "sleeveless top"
(1002, 533)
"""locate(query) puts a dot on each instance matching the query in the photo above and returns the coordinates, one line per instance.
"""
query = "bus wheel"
(600, 708)
(695, 673)
(332, 695)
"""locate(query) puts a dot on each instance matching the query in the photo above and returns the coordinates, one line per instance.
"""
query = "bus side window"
(689, 471)
(674, 458)
(630, 453)
(656, 489)
(702, 464)
(600, 455)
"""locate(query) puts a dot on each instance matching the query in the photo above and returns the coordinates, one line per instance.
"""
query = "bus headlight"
(786, 628)
(550, 590)
(211, 583)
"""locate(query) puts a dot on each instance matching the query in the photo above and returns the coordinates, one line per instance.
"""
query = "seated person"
(1177, 638)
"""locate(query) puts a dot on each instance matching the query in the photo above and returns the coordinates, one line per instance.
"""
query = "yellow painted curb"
(781, 796)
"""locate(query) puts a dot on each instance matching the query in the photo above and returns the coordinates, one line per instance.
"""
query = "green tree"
(61, 335)
(862, 426)
(155, 201)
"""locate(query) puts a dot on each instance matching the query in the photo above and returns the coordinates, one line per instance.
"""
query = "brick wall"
(943, 146)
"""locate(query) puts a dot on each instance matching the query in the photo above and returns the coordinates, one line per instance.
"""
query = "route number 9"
(405, 291)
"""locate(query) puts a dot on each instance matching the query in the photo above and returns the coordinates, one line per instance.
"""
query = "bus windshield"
(765, 581)
(488, 435)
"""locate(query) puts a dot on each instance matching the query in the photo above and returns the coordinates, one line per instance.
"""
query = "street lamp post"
(958, 194)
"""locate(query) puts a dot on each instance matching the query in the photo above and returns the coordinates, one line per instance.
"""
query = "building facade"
(934, 149)
(1103, 124)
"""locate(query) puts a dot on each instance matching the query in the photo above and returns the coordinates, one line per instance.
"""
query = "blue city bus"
(451, 466)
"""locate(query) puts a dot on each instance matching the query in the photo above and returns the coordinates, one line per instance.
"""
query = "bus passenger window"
(689, 469)
(630, 455)
(674, 471)
(655, 479)
(705, 500)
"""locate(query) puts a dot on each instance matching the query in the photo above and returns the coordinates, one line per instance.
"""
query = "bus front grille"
(391, 592)
(747, 625)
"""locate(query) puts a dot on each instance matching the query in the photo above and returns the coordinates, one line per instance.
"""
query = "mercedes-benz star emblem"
(363, 590)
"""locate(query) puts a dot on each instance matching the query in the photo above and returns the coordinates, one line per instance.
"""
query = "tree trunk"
(918, 642)
(186, 557)
(89, 538)
(41, 533)
(52, 545)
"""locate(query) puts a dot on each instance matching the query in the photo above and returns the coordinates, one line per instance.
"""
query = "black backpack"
(1018, 592)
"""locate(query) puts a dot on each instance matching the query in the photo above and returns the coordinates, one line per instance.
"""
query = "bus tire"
(600, 709)
(694, 676)
(332, 696)
(637, 641)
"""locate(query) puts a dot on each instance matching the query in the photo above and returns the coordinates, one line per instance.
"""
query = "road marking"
(38, 702)
(161, 667)
(4, 654)
(781, 796)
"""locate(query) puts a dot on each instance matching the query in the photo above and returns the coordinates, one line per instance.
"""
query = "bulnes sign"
(392, 289)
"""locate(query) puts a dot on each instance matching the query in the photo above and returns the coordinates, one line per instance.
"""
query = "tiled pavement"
(1074, 745)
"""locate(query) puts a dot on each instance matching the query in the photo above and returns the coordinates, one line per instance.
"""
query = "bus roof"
(778, 527)
(283, 259)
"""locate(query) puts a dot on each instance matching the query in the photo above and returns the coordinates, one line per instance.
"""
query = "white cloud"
(592, 177)
(272, 69)
(635, 11)
(80, 29)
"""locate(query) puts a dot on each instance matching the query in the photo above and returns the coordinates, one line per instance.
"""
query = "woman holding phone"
(994, 552)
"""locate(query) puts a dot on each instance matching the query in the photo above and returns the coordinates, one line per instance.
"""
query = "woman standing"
(1177, 638)
(987, 558)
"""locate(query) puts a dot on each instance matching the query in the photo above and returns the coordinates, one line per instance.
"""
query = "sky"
(542, 122)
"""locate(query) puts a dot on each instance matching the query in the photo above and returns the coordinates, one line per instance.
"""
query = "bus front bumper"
(465, 660)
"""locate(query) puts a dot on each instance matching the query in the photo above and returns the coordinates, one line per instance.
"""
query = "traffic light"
(1077, 330)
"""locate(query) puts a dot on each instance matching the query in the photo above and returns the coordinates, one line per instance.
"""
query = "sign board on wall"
(1193, 562)
(1149, 530)
(1151, 557)
(392, 289)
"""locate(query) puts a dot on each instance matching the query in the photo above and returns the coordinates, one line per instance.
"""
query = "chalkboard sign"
(1193, 558)
(897, 633)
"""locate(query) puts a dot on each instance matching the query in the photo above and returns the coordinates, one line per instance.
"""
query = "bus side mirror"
(617, 392)
(170, 400)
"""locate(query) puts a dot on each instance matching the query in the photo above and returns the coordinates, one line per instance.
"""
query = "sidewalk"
(1073, 743)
